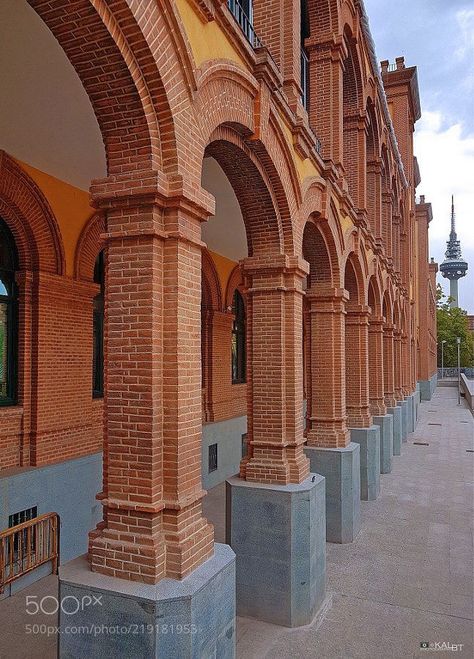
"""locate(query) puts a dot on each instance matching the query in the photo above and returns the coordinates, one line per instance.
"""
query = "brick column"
(374, 197)
(405, 365)
(376, 366)
(326, 66)
(275, 370)
(357, 367)
(152, 496)
(398, 364)
(396, 242)
(355, 156)
(389, 366)
(326, 411)
(387, 223)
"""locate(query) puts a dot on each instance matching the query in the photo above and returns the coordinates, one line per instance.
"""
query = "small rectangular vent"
(420, 444)
(22, 516)
(244, 445)
(212, 458)
(435, 424)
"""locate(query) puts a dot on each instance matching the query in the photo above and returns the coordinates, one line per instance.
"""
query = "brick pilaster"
(326, 69)
(357, 367)
(376, 366)
(387, 223)
(374, 196)
(355, 156)
(326, 382)
(275, 370)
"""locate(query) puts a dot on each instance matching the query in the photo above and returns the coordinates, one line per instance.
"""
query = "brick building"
(211, 262)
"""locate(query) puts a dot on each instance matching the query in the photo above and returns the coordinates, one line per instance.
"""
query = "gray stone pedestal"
(369, 442)
(341, 469)
(194, 617)
(411, 412)
(385, 423)
(403, 405)
(396, 414)
(278, 533)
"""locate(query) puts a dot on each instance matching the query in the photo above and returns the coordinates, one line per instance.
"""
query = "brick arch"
(387, 307)
(268, 229)
(211, 287)
(354, 280)
(374, 296)
(89, 245)
(226, 103)
(120, 76)
(235, 282)
(319, 249)
(28, 214)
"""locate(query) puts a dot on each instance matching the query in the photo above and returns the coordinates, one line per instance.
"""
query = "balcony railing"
(304, 79)
(243, 20)
(27, 546)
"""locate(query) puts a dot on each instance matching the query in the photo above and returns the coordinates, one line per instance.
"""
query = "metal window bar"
(304, 79)
(243, 20)
(26, 546)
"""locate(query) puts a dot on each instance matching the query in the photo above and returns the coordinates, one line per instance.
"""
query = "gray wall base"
(417, 401)
(403, 405)
(369, 442)
(341, 469)
(68, 488)
(194, 617)
(278, 533)
(228, 437)
(385, 423)
(396, 414)
(427, 387)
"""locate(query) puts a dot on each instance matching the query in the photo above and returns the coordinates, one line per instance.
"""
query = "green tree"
(452, 322)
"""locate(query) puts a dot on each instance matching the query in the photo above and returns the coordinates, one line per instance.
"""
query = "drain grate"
(464, 422)
(435, 424)
(420, 444)
(470, 450)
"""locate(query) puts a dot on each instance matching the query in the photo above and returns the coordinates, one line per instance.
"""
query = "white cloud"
(446, 160)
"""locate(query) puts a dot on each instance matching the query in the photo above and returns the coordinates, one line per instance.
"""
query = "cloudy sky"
(438, 37)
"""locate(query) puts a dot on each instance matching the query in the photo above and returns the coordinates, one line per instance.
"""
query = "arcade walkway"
(407, 579)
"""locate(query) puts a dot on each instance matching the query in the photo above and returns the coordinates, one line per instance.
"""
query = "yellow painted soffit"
(207, 40)
(70, 206)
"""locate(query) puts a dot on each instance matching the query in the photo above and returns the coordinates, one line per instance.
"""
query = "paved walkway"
(407, 579)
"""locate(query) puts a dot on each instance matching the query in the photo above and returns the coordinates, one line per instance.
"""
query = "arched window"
(8, 319)
(98, 331)
(238, 340)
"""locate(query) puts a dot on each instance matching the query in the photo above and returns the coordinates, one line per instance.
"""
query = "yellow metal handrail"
(26, 546)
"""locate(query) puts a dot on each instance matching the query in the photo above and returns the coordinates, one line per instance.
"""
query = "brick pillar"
(405, 365)
(389, 366)
(396, 242)
(326, 412)
(387, 223)
(326, 66)
(357, 367)
(398, 364)
(275, 370)
(152, 403)
(374, 197)
(354, 156)
(376, 367)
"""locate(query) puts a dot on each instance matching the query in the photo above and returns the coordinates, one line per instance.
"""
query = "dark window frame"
(10, 301)
(238, 345)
